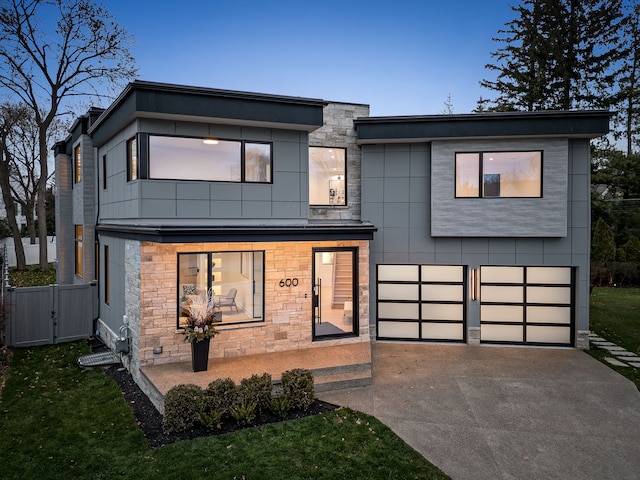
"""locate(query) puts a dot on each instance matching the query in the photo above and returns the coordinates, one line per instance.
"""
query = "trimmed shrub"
(220, 395)
(211, 419)
(257, 389)
(280, 406)
(244, 413)
(182, 407)
(297, 386)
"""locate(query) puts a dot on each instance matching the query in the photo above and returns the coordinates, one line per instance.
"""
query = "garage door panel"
(442, 331)
(401, 311)
(442, 273)
(502, 294)
(501, 313)
(390, 291)
(398, 329)
(438, 311)
(502, 274)
(540, 334)
(549, 295)
(501, 333)
(451, 293)
(549, 275)
(560, 315)
(398, 273)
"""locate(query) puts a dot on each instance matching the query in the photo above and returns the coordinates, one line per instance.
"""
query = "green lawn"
(58, 421)
(32, 276)
(615, 315)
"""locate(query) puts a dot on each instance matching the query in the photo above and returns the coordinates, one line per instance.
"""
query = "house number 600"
(289, 282)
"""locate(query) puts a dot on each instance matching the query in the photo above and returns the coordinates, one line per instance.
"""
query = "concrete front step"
(344, 376)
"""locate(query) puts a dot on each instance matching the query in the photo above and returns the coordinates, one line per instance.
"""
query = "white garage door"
(421, 302)
(527, 305)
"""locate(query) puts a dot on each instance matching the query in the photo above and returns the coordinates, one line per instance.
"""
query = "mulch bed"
(150, 420)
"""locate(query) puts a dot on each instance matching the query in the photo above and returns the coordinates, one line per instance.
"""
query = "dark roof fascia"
(556, 123)
(141, 99)
(264, 233)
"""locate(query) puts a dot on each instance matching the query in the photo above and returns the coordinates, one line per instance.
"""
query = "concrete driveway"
(503, 412)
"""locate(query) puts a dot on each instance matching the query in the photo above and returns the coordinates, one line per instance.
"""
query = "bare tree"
(10, 117)
(53, 52)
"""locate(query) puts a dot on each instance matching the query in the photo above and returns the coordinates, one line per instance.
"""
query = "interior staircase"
(342, 279)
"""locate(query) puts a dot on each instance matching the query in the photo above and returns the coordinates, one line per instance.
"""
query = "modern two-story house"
(319, 225)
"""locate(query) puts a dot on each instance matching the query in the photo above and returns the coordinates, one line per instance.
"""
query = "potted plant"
(202, 314)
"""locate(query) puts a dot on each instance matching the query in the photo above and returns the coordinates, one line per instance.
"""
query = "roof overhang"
(236, 233)
(142, 99)
(555, 123)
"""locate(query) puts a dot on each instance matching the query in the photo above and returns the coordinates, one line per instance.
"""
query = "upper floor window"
(499, 174)
(179, 158)
(77, 164)
(132, 159)
(327, 176)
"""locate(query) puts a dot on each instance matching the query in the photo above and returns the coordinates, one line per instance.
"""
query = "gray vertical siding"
(397, 198)
(150, 201)
(112, 313)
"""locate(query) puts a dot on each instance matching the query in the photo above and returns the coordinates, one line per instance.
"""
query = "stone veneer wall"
(151, 302)
(338, 131)
(133, 304)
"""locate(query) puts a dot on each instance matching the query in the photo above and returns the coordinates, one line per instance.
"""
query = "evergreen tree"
(603, 247)
(627, 98)
(558, 54)
(632, 249)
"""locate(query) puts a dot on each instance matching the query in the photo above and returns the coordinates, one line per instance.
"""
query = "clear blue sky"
(402, 57)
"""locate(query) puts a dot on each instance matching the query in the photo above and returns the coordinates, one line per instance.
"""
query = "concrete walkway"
(503, 412)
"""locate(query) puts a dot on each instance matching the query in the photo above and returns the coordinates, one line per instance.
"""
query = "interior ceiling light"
(210, 141)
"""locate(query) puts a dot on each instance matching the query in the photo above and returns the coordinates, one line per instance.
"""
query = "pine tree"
(603, 247)
(632, 249)
(558, 54)
(627, 122)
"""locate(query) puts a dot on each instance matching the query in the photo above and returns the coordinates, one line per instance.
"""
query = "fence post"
(53, 303)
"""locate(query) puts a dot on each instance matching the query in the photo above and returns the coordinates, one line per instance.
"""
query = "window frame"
(242, 160)
(133, 162)
(209, 282)
(77, 163)
(355, 291)
(481, 174)
(78, 249)
(344, 174)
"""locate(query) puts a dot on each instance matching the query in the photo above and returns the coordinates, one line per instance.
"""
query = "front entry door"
(334, 290)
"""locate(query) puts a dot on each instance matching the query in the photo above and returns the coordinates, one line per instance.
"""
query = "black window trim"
(346, 184)
(481, 154)
(210, 254)
(145, 139)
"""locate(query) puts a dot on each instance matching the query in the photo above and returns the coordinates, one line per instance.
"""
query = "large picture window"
(499, 174)
(235, 278)
(327, 176)
(179, 158)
